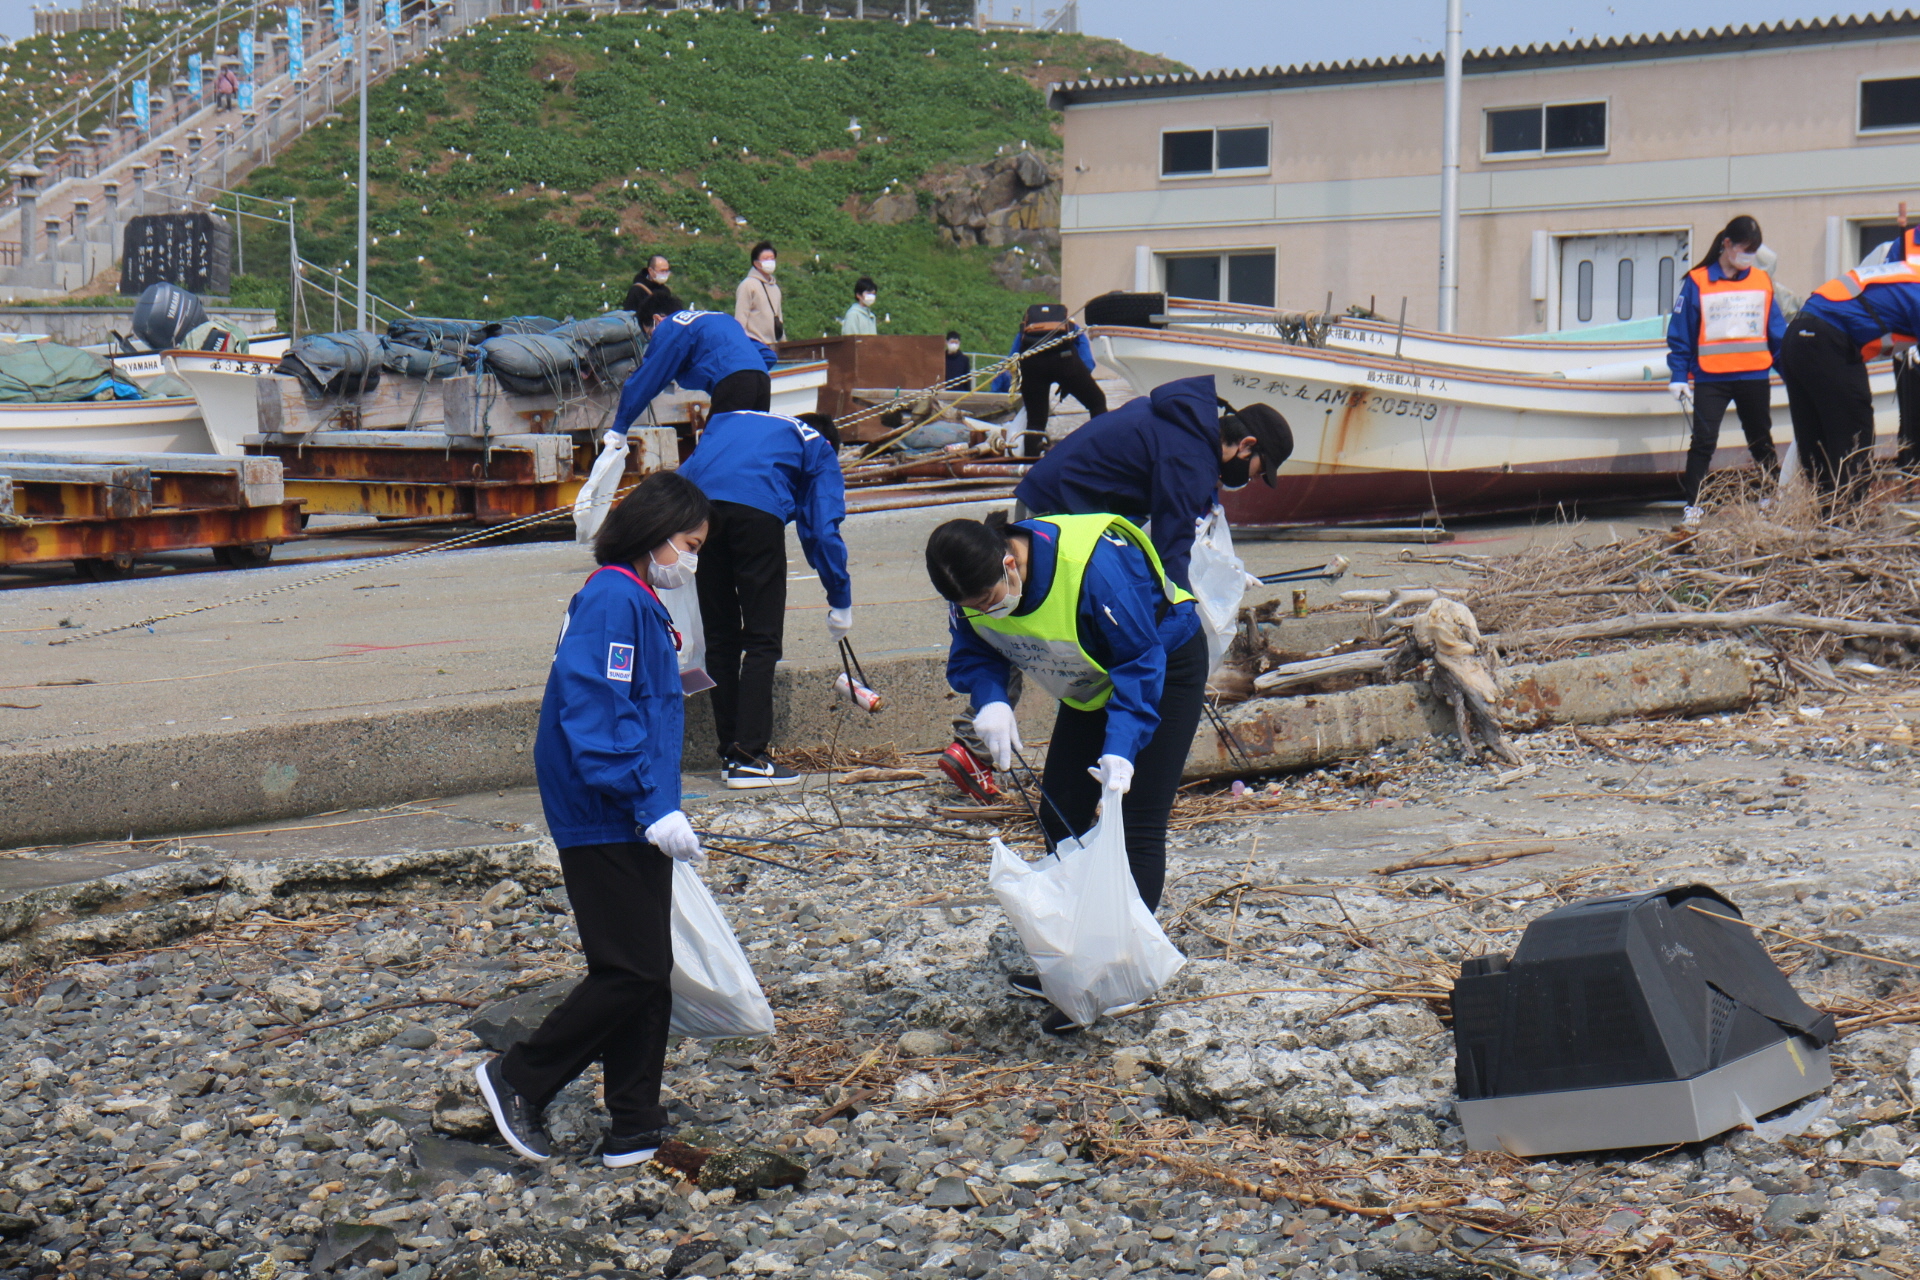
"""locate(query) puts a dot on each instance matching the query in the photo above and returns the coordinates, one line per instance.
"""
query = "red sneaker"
(970, 773)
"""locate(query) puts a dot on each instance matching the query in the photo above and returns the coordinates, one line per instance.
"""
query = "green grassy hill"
(531, 165)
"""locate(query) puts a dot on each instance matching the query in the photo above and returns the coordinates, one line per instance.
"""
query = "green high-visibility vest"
(1046, 642)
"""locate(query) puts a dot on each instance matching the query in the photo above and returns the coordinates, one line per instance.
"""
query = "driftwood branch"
(1777, 616)
(1307, 670)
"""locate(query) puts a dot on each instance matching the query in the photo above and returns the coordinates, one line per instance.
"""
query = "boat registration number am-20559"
(1334, 397)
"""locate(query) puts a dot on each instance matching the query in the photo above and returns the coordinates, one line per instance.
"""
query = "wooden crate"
(906, 361)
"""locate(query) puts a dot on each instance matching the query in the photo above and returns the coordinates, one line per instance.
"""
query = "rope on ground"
(511, 526)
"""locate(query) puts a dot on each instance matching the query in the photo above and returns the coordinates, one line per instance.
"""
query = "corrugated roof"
(1572, 53)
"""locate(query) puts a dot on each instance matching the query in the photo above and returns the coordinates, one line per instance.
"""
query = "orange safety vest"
(1910, 244)
(1855, 282)
(1733, 322)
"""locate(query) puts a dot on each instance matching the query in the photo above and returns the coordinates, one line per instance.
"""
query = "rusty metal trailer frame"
(250, 532)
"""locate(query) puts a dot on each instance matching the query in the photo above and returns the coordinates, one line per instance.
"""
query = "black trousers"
(1077, 739)
(1038, 377)
(743, 607)
(1831, 403)
(1749, 397)
(1907, 395)
(622, 896)
(743, 389)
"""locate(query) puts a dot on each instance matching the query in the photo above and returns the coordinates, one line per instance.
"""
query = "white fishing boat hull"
(1581, 361)
(224, 386)
(105, 426)
(1377, 440)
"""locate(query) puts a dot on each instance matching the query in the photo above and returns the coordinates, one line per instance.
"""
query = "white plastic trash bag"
(1092, 940)
(683, 606)
(596, 495)
(715, 995)
(1219, 582)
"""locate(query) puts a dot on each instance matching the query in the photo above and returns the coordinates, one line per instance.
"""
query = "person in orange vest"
(1725, 330)
(1906, 374)
(1872, 310)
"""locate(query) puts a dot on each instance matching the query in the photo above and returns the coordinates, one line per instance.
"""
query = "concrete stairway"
(64, 225)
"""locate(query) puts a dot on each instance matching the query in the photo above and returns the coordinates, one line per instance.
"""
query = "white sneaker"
(1691, 518)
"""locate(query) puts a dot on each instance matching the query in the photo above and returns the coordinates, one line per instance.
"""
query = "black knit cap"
(1272, 437)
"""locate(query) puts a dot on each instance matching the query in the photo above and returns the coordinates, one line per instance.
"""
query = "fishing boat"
(1641, 357)
(1379, 440)
(226, 386)
(171, 425)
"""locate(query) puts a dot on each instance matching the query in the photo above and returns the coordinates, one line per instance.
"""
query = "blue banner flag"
(193, 78)
(142, 109)
(339, 17)
(296, 41)
(393, 15)
(246, 70)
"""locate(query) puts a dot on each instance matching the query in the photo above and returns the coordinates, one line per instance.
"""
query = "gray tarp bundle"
(418, 362)
(335, 364)
(46, 372)
(528, 363)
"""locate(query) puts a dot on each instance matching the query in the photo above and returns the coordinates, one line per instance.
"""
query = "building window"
(1873, 235)
(1623, 291)
(1564, 126)
(1666, 284)
(1890, 104)
(1248, 277)
(1190, 153)
(1583, 303)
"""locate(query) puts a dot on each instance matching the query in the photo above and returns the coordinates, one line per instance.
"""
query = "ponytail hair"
(966, 557)
(1743, 231)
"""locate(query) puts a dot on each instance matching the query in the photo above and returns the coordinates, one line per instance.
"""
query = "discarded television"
(1637, 1020)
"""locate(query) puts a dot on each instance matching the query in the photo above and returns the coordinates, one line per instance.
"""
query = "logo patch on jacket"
(620, 662)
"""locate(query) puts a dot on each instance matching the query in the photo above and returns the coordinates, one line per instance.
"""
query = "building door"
(1608, 279)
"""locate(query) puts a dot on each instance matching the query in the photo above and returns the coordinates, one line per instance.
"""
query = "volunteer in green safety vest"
(1082, 605)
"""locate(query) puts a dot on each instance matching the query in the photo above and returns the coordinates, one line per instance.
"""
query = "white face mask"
(678, 574)
(953, 348)
(1009, 602)
(1744, 261)
(766, 267)
(867, 299)
(663, 276)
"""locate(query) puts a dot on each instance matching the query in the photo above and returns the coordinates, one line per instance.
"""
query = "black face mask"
(1235, 472)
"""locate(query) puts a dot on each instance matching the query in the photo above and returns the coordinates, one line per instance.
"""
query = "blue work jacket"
(785, 468)
(1154, 460)
(1125, 625)
(695, 349)
(607, 755)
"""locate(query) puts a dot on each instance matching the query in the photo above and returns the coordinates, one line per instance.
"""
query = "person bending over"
(1082, 606)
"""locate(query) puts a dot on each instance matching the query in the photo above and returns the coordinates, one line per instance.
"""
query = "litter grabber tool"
(1332, 571)
(1045, 798)
(852, 681)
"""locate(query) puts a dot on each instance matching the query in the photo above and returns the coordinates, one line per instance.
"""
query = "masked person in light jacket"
(756, 301)
(1081, 605)
(607, 756)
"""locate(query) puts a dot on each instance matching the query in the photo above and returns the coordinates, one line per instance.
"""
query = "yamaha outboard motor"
(165, 314)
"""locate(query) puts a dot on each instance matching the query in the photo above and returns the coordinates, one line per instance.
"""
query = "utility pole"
(361, 51)
(1450, 178)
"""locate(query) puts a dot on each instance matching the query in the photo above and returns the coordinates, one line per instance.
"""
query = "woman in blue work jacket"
(607, 756)
(1082, 606)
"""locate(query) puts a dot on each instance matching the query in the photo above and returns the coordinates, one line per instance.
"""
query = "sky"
(1210, 34)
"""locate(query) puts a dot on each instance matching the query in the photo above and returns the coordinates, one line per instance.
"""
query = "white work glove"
(1114, 773)
(1682, 392)
(674, 836)
(839, 624)
(1000, 732)
(1252, 581)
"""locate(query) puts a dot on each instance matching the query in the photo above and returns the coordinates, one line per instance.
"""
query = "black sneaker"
(1027, 984)
(745, 775)
(617, 1152)
(1059, 1024)
(513, 1115)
